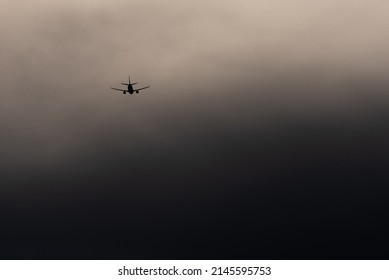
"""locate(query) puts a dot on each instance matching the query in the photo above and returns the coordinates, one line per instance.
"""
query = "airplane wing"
(119, 89)
(137, 89)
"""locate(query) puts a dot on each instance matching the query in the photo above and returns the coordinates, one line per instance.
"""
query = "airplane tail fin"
(129, 82)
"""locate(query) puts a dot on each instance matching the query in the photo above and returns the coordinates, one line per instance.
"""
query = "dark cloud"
(263, 135)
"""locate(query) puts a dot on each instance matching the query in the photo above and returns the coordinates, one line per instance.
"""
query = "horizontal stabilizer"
(128, 84)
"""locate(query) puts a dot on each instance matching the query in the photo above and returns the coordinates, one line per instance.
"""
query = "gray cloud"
(252, 101)
(214, 68)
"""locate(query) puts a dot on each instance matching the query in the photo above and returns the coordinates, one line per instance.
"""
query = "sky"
(265, 120)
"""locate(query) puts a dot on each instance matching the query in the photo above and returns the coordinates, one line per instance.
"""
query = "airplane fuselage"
(130, 89)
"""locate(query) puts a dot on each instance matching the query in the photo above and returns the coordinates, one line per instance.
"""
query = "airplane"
(129, 89)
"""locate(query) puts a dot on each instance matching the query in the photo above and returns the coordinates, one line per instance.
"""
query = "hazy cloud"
(247, 100)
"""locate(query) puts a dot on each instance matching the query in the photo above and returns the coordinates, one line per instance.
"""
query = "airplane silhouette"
(129, 89)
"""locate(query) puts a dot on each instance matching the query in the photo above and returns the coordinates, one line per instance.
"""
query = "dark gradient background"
(264, 135)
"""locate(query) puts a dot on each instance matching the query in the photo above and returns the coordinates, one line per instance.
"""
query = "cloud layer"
(257, 111)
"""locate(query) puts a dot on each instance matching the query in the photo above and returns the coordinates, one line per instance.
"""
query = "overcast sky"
(239, 89)
(212, 60)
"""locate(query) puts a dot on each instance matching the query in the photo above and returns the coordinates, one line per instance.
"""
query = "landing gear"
(124, 92)
(137, 91)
